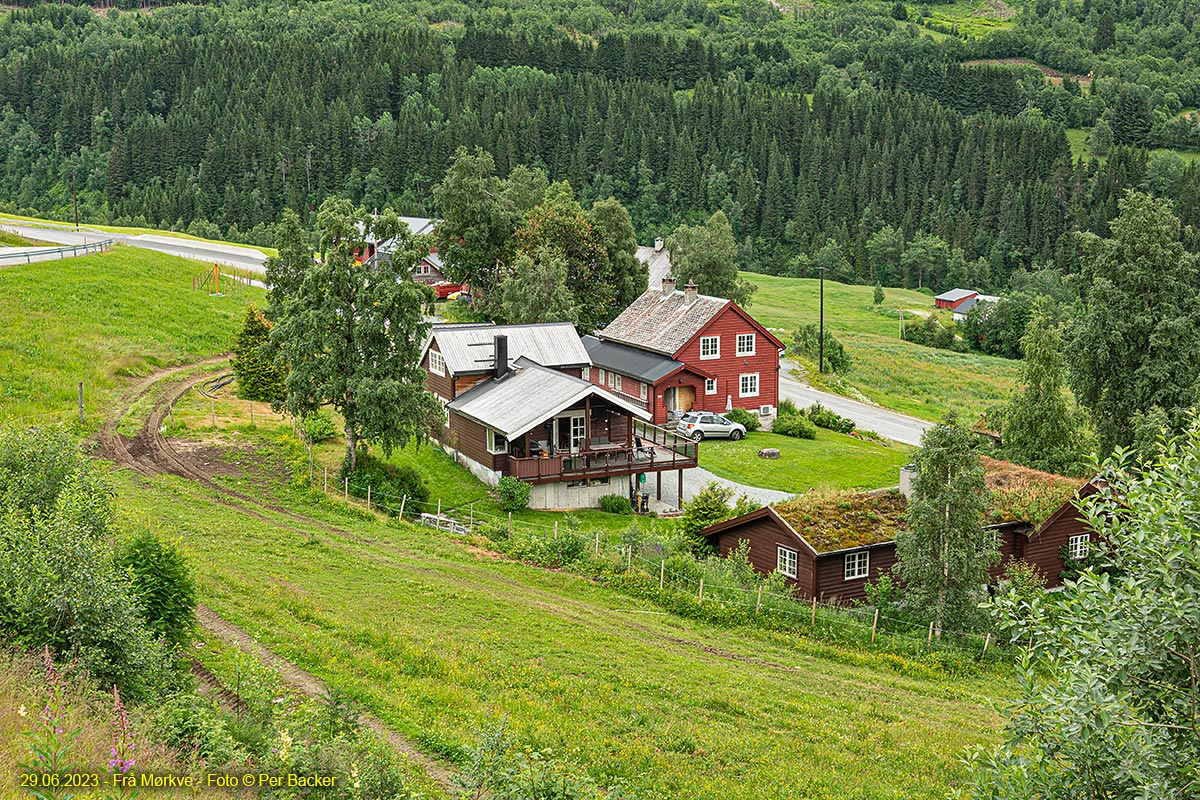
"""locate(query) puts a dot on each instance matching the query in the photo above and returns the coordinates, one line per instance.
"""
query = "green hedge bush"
(615, 504)
(746, 419)
(796, 425)
(512, 493)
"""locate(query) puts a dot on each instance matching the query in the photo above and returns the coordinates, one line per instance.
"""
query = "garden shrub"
(548, 551)
(745, 418)
(389, 483)
(822, 417)
(615, 504)
(318, 427)
(163, 585)
(797, 425)
(512, 494)
(788, 408)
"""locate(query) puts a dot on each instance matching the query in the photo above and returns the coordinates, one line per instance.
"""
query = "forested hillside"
(836, 135)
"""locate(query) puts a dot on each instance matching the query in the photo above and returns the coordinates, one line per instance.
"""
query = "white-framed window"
(710, 385)
(748, 385)
(602, 377)
(644, 389)
(586, 374)
(786, 561)
(437, 363)
(617, 383)
(496, 443)
(745, 344)
(857, 565)
(1078, 546)
(710, 347)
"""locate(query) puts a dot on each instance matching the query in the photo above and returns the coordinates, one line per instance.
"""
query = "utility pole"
(821, 333)
(75, 197)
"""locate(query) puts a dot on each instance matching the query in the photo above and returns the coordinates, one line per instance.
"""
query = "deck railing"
(660, 450)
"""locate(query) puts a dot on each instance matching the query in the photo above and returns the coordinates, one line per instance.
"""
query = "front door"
(686, 398)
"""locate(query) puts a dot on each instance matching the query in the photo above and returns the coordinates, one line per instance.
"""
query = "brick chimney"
(690, 292)
(500, 365)
(668, 285)
(658, 244)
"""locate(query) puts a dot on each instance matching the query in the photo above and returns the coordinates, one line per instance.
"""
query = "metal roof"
(956, 294)
(419, 226)
(662, 321)
(469, 347)
(966, 305)
(640, 364)
(527, 396)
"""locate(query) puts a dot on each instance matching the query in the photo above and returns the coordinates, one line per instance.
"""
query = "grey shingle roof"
(662, 322)
(640, 364)
(955, 294)
(527, 396)
(658, 262)
(469, 348)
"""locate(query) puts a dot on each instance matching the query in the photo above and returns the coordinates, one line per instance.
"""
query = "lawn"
(921, 381)
(12, 240)
(441, 640)
(831, 461)
(102, 319)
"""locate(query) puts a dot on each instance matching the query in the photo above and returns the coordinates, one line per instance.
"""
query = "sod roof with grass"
(831, 521)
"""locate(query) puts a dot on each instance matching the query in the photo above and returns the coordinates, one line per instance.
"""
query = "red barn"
(954, 298)
(676, 351)
(830, 545)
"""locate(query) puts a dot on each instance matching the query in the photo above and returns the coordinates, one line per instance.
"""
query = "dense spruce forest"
(836, 137)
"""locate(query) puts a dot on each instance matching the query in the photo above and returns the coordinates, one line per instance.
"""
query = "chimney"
(668, 285)
(689, 293)
(658, 244)
(907, 473)
(500, 368)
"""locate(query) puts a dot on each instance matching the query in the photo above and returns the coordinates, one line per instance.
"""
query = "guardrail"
(67, 251)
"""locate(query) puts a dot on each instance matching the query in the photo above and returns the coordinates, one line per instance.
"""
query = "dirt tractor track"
(150, 453)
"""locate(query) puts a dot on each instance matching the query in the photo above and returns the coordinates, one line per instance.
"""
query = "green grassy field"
(12, 240)
(441, 640)
(1077, 138)
(921, 381)
(271, 251)
(973, 18)
(102, 319)
(831, 461)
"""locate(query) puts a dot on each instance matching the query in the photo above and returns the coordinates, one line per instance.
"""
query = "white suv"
(700, 424)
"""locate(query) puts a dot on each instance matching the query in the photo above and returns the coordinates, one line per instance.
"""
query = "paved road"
(889, 424)
(231, 255)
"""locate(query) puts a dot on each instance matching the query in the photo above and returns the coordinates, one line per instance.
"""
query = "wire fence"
(863, 624)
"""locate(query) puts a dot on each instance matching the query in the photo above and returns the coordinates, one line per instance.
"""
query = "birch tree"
(945, 554)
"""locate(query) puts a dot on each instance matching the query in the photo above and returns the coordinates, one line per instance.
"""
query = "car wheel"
(698, 435)
(735, 435)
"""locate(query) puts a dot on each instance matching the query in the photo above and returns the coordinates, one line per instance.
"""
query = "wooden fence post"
(701, 598)
(629, 554)
(439, 513)
(597, 543)
(325, 472)
(874, 626)
(555, 529)
(403, 500)
(251, 404)
(986, 640)
(813, 621)
(368, 497)
(346, 489)
(81, 402)
(662, 573)
(510, 523)
(929, 641)
(758, 604)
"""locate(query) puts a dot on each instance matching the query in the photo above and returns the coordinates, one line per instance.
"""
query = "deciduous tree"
(350, 333)
(706, 255)
(945, 554)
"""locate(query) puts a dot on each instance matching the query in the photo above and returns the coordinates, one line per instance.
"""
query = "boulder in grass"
(769, 452)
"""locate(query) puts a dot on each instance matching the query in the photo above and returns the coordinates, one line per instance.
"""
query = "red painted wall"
(832, 586)
(765, 361)
(765, 537)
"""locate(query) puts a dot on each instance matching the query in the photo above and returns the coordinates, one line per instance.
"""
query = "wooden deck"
(660, 450)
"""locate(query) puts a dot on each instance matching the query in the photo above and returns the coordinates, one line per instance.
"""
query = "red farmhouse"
(954, 298)
(673, 351)
(830, 545)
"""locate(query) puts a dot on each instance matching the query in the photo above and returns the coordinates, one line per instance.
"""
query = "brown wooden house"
(516, 404)
(829, 545)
